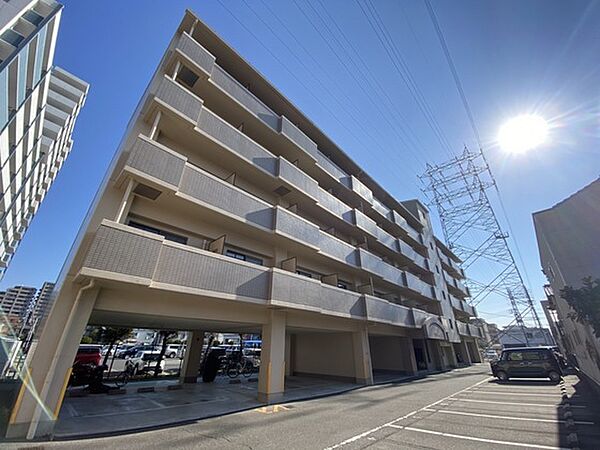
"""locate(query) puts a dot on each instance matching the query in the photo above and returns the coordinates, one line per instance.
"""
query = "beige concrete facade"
(227, 210)
(569, 248)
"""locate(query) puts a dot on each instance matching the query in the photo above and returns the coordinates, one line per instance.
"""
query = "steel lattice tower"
(458, 189)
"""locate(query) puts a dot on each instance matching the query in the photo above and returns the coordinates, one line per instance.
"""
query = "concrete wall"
(329, 354)
(391, 353)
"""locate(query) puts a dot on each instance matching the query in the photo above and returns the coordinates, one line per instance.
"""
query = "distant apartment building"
(14, 304)
(517, 336)
(226, 210)
(24, 307)
(38, 107)
(568, 236)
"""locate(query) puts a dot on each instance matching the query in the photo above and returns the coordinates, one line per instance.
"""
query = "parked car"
(527, 362)
(130, 352)
(145, 360)
(88, 354)
(174, 350)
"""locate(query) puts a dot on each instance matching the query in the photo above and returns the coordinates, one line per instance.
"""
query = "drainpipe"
(47, 381)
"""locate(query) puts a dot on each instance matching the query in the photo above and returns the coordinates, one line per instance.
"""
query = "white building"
(516, 336)
(38, 107)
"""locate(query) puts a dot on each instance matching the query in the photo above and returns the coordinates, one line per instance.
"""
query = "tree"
(165, 335)
(585, 301)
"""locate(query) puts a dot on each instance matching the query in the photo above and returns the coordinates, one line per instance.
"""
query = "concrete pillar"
(288, 355)
(271, 376)
(464, 350)
(192, 358)
(362, 357)
(45, 382)
(408, 355)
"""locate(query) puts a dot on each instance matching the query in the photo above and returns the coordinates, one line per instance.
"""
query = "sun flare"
(523, 133)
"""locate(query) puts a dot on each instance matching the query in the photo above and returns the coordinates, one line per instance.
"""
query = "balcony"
(298, 179)
(298, 292)
(455, 287)
(236, 142)
(377, 266)
(179, 99)
(355, 185)
(336, 248)
(149, 158)
(204, 188)
(294, 134)
(194, 52)
(245, 98)
(462, 306)
(382, 311)
(123, 253)
(295, 227)
(463, 328)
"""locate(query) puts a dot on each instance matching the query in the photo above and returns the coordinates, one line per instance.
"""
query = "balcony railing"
(118, 250)
(354, 184)
(379, 310)
(196, 53)
(338, 249)
(156, 160)
(237, 142)
(294, 134)
(305, 293)
(179, 98)
(295, 227)
(244, 97)
(235, 202)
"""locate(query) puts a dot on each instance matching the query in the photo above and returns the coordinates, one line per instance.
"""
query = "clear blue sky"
(513, 57)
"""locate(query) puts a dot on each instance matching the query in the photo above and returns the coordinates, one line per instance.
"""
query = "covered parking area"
(303, 355)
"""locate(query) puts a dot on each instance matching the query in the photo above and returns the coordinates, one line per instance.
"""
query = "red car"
(88, 354)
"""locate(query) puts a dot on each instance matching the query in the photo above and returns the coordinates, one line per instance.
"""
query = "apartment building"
(567, 236)
(14, 304)
(38, 107)
(227, 210)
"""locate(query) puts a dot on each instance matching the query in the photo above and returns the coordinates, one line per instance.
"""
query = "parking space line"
(513, 403)
(406, 416)
(493, 416)
(557, 395)
(489, 441)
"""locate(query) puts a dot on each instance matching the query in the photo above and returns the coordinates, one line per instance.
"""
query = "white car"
(174, 350)
(145, 360)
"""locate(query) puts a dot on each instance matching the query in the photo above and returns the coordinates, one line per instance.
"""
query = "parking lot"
(517, 414)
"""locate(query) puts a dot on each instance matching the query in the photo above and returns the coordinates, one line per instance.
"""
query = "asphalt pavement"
(461, 409)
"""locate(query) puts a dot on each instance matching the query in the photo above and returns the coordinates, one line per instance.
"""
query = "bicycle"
(237, 367)
(130, 371)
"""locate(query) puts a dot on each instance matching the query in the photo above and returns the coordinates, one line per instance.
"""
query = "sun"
(523, 133)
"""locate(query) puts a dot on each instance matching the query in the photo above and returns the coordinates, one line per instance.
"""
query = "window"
(244, 257)
(39, 55)
(378, 294)
(12, 37)
(187, 77)
(515, 356)
(444, 295)
(304, 273)
(22, 76)
(32, 17)
(437, 269)
(535, 355)
(166, 234)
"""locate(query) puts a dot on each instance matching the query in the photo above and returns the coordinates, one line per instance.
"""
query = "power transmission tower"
(458, 189)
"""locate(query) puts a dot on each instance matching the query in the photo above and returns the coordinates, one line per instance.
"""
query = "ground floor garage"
(304, 353)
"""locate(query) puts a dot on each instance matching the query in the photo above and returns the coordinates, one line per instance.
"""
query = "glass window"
(32, 17)
(3, 98)
(12, 37)
(304, 273)
(167, 235)
(39, 55)
(244, 257)
(22, 77)
(533, 356)
(515, 356)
